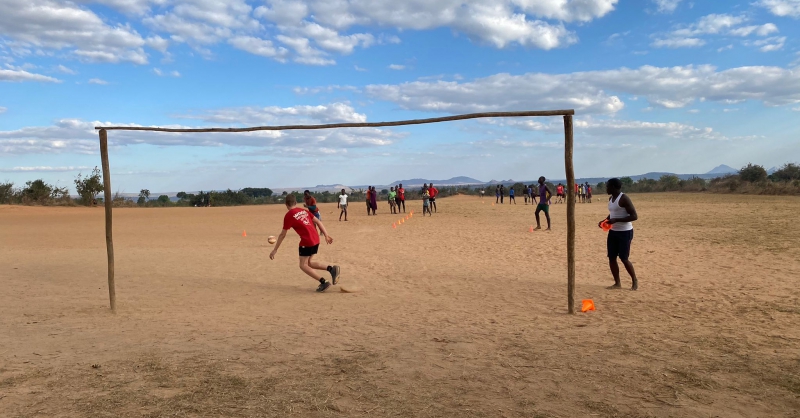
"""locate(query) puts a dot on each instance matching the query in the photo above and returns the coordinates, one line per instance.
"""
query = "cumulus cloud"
(65, 70)
(689, 36)
(258, 46)
(770, 44)
(77, 136)
(3, 109)
(158, 72)
(790, 8)
(594, 92)
(397, 67)
(44, 169)
(60, 25)
(667, 6)
(22, 75)
(98, 81)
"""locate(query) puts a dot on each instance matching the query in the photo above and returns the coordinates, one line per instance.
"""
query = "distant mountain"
(449, 182)
(772, 170)
(723, 169)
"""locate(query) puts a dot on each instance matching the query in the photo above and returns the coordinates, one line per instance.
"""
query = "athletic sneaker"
(335, 274)
(323, 286)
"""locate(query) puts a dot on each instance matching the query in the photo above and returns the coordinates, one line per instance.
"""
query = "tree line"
(751, 179)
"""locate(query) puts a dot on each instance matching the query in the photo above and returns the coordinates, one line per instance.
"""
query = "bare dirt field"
(461, 314)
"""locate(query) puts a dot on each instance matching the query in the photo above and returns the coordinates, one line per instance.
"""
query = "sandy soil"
(461, 314)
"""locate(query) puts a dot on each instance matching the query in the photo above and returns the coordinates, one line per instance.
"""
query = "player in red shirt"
(401, 196)
(433, 192)
(560, 193)
(311, 204)
(305, 224)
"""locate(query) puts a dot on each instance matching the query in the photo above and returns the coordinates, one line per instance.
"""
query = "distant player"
(560, 193)
(373, 200)
(511, 195)
(342, 205)
(544, 205)
(589, 192)
(305, 224)
(401, 197)
(311, 204)
(426, 201)
(497, 194)
(368, 197)
(621, 214)
(529, 195)
(433, 192)
(502, 193)
(392, 200)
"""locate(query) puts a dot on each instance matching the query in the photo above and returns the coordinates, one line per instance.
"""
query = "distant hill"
(723, 169)
(449, 182)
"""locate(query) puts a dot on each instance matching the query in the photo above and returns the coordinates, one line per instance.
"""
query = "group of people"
(308, 224)
(396, 200)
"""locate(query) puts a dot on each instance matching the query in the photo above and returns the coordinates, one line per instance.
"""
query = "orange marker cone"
(588, 305)
(244, 233)
(394, 226)
(531, 229)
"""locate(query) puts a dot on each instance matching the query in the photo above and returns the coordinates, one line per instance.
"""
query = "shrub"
(753, 173)
(6, 192)
(89, 187)
(788, 172)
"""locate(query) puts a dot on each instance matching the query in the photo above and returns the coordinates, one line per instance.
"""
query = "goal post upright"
(107, 200)
(568, 148)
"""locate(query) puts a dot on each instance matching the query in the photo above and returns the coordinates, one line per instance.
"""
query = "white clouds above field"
(790, 8)
(17, 75)
(597, 92)
(713, 25)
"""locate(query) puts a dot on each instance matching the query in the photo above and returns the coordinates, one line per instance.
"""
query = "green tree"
(788, 172)
(256, 192)
(6, 192)
(37, 191)
(181, 195)
(670, 182)
(163, 200)
(89, 187)
(627, 182)
(753, 173)
(600, 188)
(144, 194)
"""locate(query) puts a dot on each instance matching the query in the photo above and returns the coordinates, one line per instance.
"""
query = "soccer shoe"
(335, 274)
(323, 286)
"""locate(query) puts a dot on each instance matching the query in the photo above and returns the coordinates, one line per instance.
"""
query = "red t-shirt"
(560, 190)
(402, 193)
(302, 221)
(433, 191)
(577, 189)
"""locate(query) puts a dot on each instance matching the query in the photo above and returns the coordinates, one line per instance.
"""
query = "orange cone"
(588, 305)
(244, 233)
(531, 229)
(394, 226)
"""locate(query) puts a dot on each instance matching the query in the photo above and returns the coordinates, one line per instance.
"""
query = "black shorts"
(308, 251)
(561, 195)
(431, 199)
(619, 244)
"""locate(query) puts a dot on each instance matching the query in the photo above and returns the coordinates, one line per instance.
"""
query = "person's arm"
(278, 244)
(324, 231)
(626, 203)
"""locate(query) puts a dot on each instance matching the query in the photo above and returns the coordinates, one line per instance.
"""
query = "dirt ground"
(461, 314)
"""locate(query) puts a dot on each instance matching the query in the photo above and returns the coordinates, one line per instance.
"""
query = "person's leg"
(624, 253)
(612, 263)
(307, 269)
(629, 267)
(547, 215)
(538, 225)
(613, 253)
(345, 213)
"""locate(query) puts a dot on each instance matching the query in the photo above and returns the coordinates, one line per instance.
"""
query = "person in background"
(373, 200)
(401, 197)
(497, 194)
(368, 197)
(311, 204)
(544, 205)
(511, 195)
(502, 193)
(433, 193)
(392, 200)
(342, 205)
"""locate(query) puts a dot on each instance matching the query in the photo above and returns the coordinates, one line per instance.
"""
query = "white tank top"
(618, 212)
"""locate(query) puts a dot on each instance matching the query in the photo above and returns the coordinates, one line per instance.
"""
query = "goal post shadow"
(568, 164)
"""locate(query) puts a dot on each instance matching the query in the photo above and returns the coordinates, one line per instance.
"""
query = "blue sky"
(657, 85)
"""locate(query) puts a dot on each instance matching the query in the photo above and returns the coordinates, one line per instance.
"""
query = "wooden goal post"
(570, 172)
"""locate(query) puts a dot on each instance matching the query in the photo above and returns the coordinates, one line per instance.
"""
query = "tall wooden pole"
(112, 295)
(570, 213)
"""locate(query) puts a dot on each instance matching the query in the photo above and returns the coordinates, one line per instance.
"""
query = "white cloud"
(397, 67)
(725, 48)
(158, 72)
(357, 68)
(678, 43)
(3, 109)
(667, 6)
(98, 81)
(257, 46)
(44, 169)
(136, 7)
(790, 8)
(65, 70)
(57, 25)
(22, 75)
(595, 91)
(690, 36)
(769, 44)
(175, 74)
(75, 136)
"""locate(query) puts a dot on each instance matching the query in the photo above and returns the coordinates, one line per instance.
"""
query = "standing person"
(425, 201)
(392, 200)
(369, 193)
(433, 193)
(311, 204)
(373, 200)
(401, 196)
(560, 193)
(589, 192)
(305, 224)
(621, 214)
(543, 206)
(483, 192)
(502, 193)
(342, 205)
(511, 195)
(529, 194)
(497, 194)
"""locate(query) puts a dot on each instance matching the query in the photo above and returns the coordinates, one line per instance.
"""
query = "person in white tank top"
(621, 215)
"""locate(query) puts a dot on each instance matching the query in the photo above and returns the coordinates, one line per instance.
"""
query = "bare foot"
(548, 229)
(615, 286)
(538, 228)
(635, 285)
